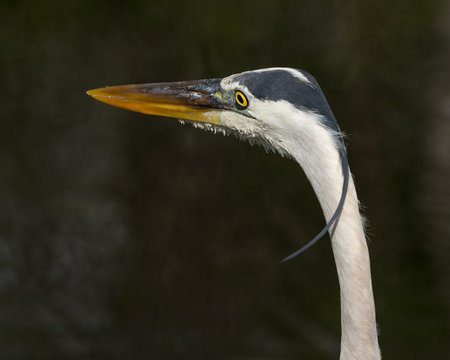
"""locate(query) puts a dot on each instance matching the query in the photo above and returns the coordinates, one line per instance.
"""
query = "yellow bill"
(188, 100)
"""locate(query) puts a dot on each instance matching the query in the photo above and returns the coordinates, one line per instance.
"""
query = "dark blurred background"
(124, 236)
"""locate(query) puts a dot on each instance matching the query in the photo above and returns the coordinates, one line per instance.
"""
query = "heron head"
(267, 106)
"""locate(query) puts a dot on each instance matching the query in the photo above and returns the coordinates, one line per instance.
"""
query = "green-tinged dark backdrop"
(124, 236)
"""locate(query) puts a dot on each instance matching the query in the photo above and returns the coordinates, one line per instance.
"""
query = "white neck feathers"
(314, 148)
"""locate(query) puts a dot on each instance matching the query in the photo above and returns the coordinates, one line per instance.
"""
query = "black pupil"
(240, 99)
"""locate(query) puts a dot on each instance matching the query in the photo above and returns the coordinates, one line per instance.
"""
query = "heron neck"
(359, 334)
(321, 163)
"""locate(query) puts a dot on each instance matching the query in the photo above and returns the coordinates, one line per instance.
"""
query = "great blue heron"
(283, 109)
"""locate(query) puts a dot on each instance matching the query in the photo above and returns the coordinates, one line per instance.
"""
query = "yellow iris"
(241, 99)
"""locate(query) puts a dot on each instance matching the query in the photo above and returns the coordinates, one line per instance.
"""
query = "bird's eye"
(241, 100)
